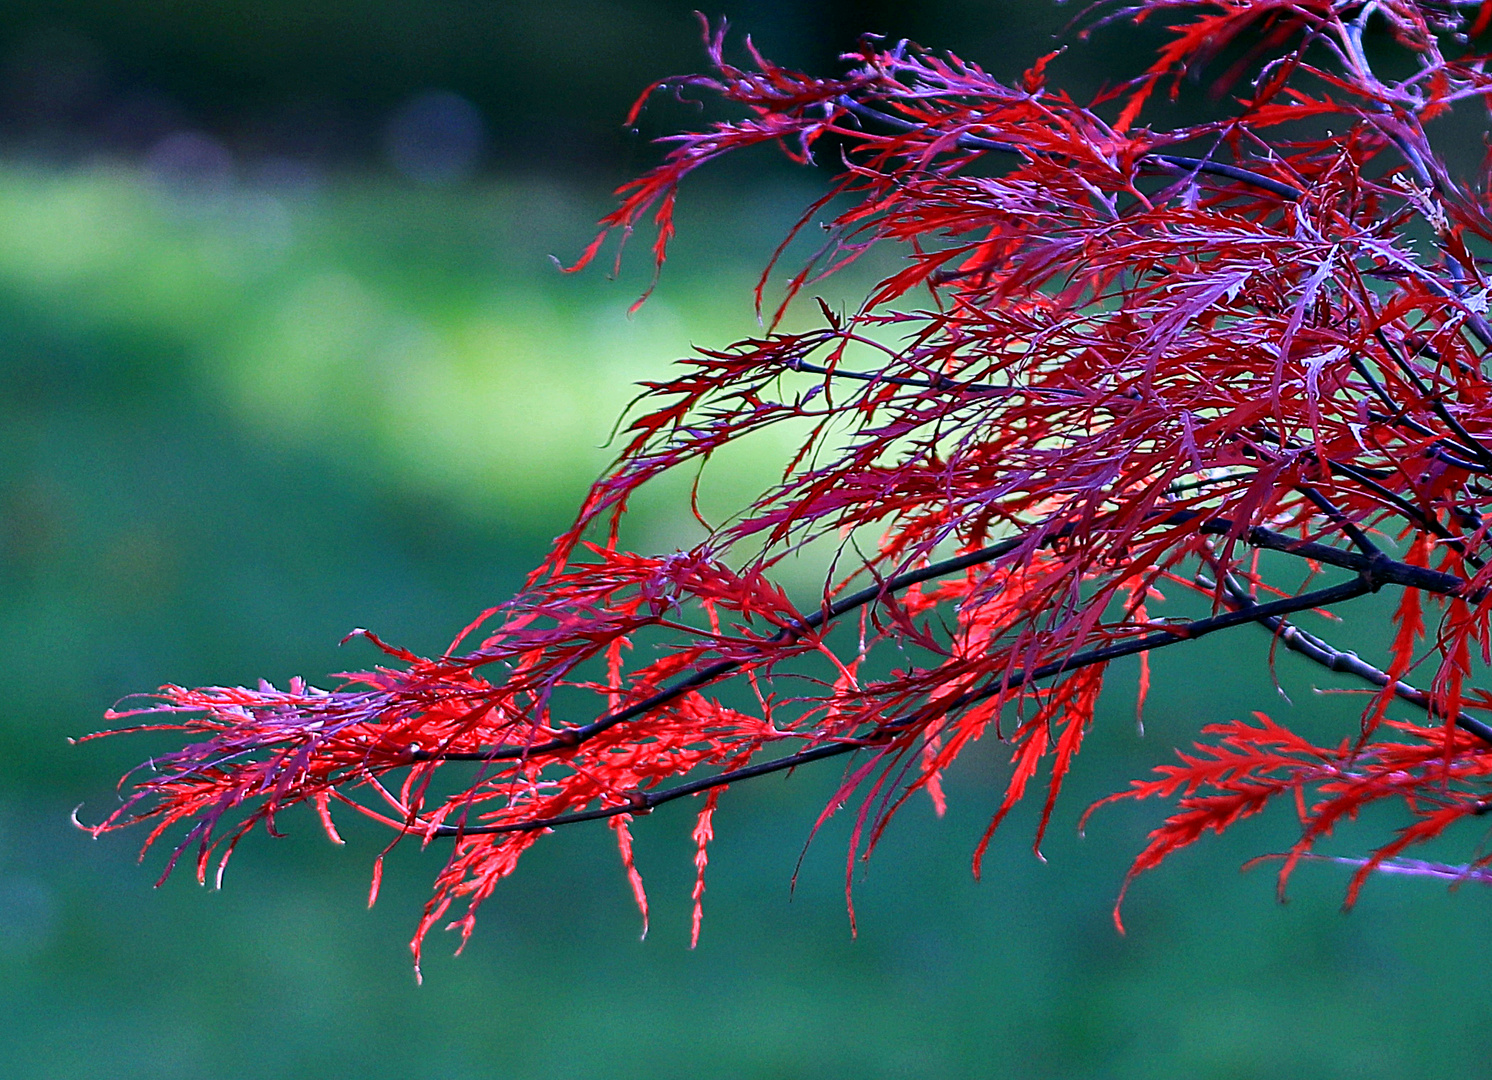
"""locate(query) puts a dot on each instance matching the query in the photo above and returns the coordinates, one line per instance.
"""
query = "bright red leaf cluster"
(1116, 360)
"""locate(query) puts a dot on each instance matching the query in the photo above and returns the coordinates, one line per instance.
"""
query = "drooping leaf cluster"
(1115, 362)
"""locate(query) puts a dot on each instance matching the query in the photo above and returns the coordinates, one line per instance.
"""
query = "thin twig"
(943, 382)
(1468, 440)
(1340, 520)
(1345, 661)
(1168, 162)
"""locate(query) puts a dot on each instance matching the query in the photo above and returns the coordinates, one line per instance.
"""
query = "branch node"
(1378, 572)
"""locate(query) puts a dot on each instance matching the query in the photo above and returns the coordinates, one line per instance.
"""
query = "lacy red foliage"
(1115, 357)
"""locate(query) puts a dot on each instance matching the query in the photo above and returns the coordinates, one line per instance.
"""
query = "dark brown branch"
(1442, 448)
(894, 380)
(573, 737)
(1396, 414)
(1373, 570)
(1469, 441)
(1405, 507)
(964, 141)
(1368, 479)
(1346, 662)
(644, 801)
(1380, 568)
(943, 383)
(1341, 521)
(1171, 163)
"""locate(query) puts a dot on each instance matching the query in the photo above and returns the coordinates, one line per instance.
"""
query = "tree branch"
(1374, 571)
(942, 383)
(1469, 441)
(1344, 661)
(575, 736)
(1168, 162)
(644, 801)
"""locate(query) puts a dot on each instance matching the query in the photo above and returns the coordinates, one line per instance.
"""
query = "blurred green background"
(282, 353)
